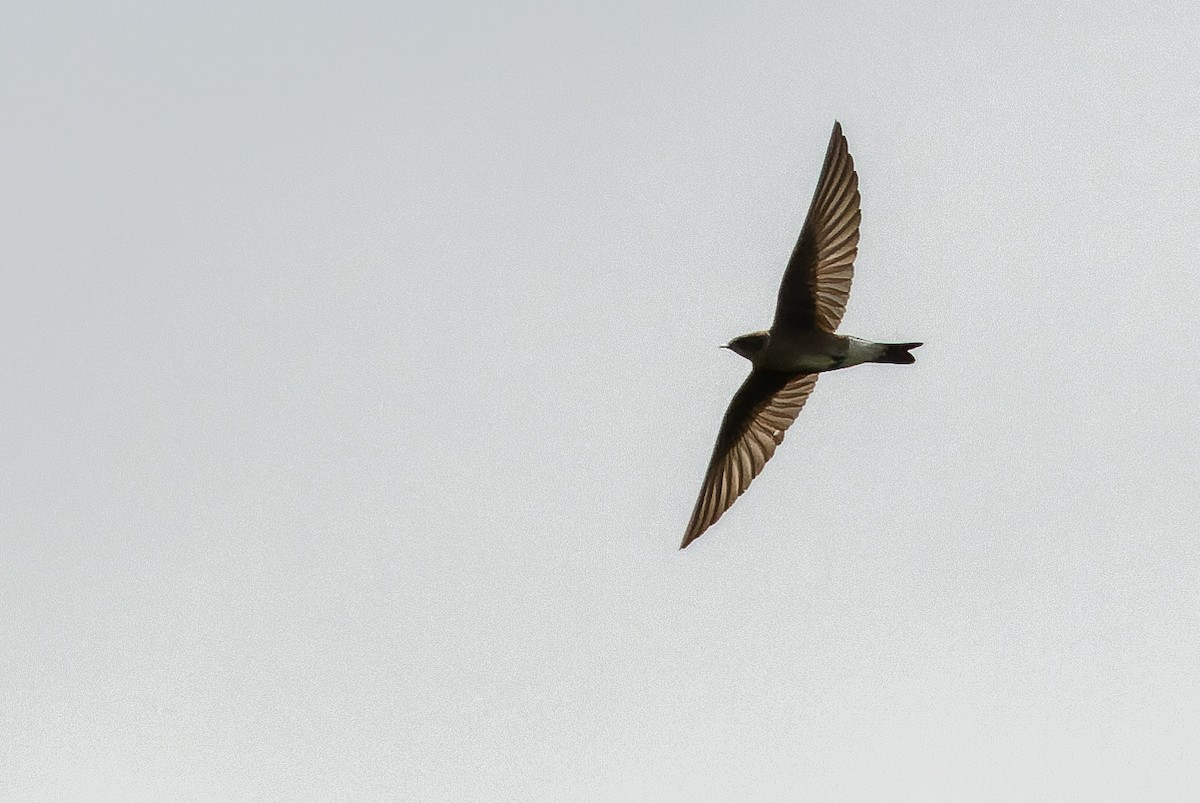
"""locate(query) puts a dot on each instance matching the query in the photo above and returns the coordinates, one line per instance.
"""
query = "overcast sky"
(359, 371)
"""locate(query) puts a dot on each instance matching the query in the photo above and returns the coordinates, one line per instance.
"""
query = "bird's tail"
(897, 353)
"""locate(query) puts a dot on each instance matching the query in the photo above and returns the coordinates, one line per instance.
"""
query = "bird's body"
(814, 351)
(800, 345)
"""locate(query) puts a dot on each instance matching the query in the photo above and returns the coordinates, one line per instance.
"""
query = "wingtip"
(837, 139)
(690, 536)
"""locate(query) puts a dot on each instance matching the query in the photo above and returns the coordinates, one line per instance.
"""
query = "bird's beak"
(723, 346)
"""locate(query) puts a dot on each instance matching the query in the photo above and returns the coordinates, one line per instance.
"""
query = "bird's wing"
(816, 283)
(761, 411)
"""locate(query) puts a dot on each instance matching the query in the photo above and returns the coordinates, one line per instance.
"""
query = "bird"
(801, 344)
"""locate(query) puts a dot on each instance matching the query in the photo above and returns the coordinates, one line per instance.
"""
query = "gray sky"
(360, 371)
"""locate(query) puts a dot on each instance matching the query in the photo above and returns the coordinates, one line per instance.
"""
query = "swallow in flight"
(801, 343)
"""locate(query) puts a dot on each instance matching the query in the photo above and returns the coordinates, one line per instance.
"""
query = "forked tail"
(898, 353)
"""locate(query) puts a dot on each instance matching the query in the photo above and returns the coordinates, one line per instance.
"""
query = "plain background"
(359, 370)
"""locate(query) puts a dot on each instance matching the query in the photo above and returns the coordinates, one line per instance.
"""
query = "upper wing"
(761, 411)
(816, 283)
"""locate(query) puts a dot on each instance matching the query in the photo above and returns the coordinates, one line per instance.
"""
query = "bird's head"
(748, 345)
